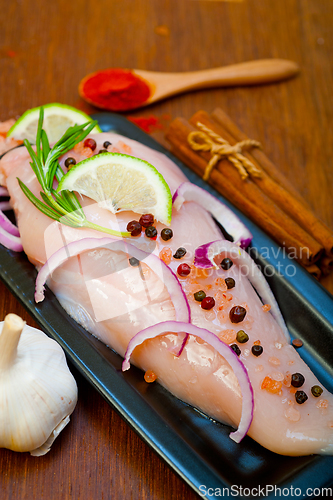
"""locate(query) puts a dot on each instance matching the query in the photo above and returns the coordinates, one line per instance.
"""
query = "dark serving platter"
(194, 446)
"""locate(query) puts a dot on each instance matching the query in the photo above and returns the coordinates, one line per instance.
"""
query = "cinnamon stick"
(314, 271)
(326, 265)
(246, 196)
(275, 191)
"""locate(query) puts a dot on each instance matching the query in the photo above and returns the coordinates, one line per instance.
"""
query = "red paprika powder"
(114, 89)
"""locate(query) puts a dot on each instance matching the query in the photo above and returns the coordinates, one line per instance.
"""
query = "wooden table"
(46, 48)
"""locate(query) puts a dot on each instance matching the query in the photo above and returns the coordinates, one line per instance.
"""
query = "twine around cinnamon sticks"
(250, 181)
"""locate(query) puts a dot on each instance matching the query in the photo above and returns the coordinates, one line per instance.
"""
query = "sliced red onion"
(164, 273)
(10, 241)
(3, 191)
(7, 225)
(226, 217)
(229, 355)
(5, 205)
(204, 258)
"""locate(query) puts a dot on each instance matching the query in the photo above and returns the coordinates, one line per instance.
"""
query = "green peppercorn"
(242, 337)
(297, 380)
(300, 397)
(179, 253)
(226, 263)
(236, 349)
(257, 350)
(200, 295)
(316, 391)
(230, 282)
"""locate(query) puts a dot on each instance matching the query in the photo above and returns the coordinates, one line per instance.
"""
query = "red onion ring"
(7, 225)
(3, 191)
(163, 272)
(5, 205)
(204, 258)
(229, 355)
(10, 241)
(226, 217)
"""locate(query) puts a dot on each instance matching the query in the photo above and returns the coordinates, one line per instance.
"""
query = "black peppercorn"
(134, 262)
(257, 350)
(236, 349)
(106, 144)
(179, 253)
(226, 263)
(69, 162)
(300, 397)
(237, 314)
(297, 380)
(316, 391)
(230, 282)
(134, 227)
(151, 232)
(166, 234)
(242, 337)
(102, 151)
(200, 295)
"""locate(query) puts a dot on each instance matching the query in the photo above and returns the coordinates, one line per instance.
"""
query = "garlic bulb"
(37, 390)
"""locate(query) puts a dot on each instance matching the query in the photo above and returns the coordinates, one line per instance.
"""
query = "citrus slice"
(120, 182)
(57, 119)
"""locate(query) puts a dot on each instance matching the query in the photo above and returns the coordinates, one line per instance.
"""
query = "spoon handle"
(247, 73)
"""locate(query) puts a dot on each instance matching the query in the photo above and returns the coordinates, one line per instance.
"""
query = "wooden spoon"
(164, 85)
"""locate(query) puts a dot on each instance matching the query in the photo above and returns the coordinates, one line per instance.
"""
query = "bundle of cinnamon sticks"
(268, 199)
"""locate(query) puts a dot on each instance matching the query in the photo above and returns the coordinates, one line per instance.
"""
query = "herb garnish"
(63, 207)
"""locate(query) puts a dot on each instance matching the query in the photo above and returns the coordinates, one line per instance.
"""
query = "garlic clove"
(37, 390)
(42, 450)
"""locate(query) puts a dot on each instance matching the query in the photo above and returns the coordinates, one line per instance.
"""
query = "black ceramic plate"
(197, 448)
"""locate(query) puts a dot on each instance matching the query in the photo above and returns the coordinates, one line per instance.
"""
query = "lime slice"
(57, 119)
(120, 182)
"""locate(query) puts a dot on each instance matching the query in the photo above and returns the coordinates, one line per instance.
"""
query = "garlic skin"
(37, 390)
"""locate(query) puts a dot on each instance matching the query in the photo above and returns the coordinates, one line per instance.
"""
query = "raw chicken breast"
(114, 301)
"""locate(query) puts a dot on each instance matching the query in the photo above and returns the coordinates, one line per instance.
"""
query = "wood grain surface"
(45, 50)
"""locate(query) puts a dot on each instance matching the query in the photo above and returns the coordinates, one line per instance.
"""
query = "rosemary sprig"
(63, 207)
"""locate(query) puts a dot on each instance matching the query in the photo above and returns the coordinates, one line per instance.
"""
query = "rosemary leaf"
(38, 204)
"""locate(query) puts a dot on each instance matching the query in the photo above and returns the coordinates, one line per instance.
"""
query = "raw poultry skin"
(108, 297)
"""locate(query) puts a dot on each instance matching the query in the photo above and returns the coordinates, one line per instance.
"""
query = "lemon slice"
(120, 182)
(57, 119)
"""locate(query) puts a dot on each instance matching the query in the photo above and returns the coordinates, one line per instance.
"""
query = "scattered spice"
(114, 89)
(300, 397)
(226, 263)
(180, 253)
(134, 262)
(106, 144)
(316, 391)
(230, 282)
(257, 350)
(208, 303)
(90, 143)
(297, 380)
(151, 232)
(150, 376)
(242, 337)
(146, 220)
(266, 307)
(165, 255)
(183, 270)
(200, 295)
(134, 227)
(236, 349)
(166, 234)
(70, 162)
(297, 343)
(148, 124)
(237, 314)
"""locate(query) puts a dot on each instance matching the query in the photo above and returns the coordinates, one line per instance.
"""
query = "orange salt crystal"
(322, 403)
(259, 368)
(291, 362)
(272, 386)
(292, 414)
(228, 336)
(287, 379)
(150, 376)
(274, 361)
(221, 316)
(209, 287)
(266, 307)
(125, 147)
(220, 282)
(78, 148)
(166, 255)
(277, 376)
(293, 390)
(256, 342)
(87, 152)
(201, 273)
